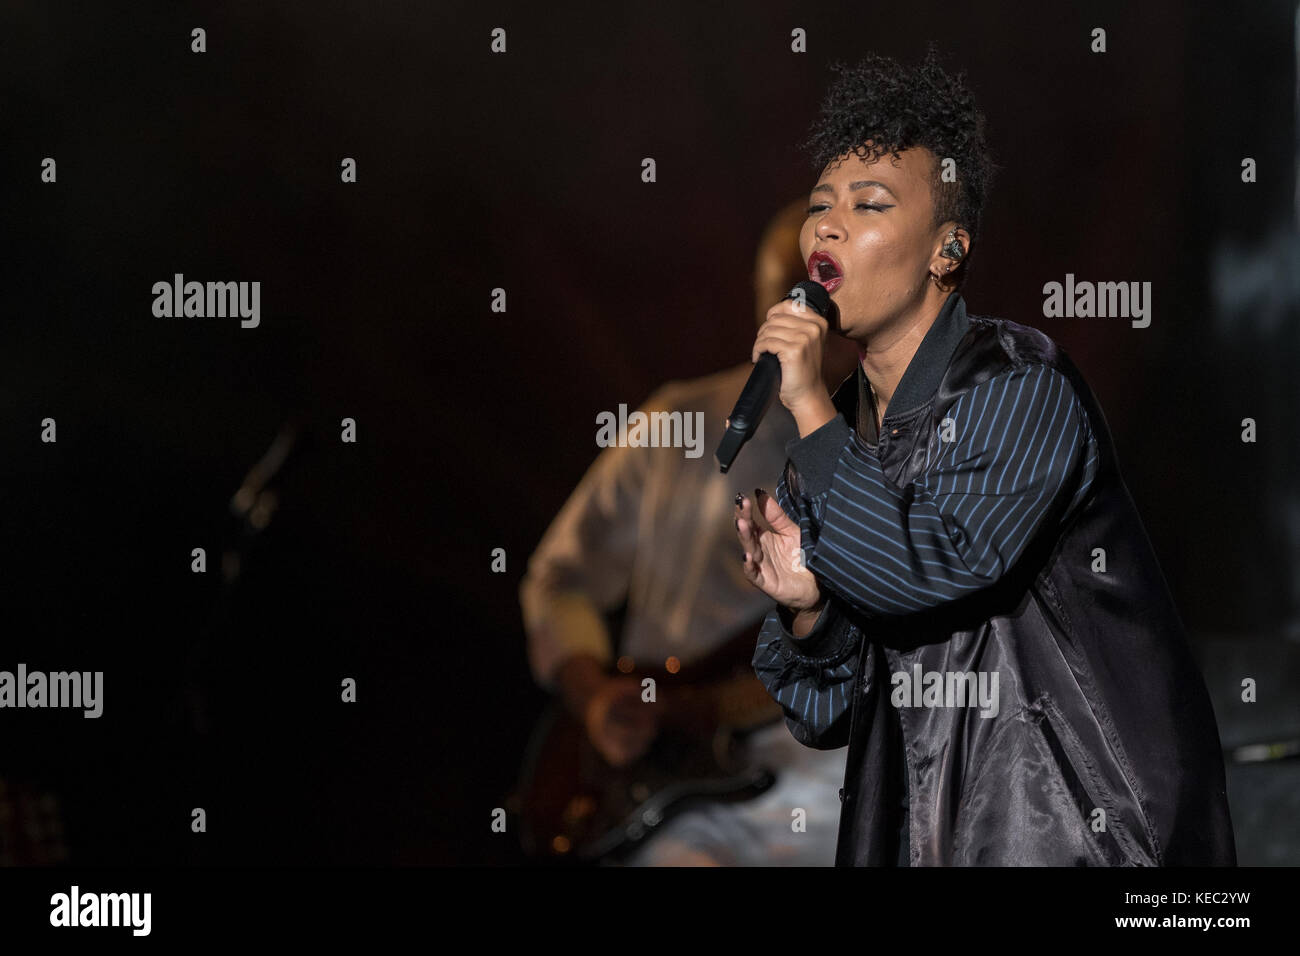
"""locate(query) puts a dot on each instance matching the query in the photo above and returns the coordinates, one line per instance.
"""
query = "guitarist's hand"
(773, 553)
(620, 725)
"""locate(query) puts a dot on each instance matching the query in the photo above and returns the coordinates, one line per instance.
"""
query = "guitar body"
(574, 806)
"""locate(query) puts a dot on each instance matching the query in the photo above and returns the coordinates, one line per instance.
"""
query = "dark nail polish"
(740, 500)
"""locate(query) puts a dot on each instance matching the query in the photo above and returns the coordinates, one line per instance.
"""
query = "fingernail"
(740, 500)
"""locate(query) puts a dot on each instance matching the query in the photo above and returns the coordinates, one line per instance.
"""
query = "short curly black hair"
(897, 108)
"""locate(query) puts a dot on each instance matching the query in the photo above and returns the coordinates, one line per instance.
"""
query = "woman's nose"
(828, 225)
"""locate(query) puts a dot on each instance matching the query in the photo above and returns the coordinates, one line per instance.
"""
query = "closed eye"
(862, 205)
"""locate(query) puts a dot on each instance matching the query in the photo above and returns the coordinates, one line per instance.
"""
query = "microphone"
(765, 380)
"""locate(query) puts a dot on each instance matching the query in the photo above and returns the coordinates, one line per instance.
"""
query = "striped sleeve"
(812, 678)
(1011, 458)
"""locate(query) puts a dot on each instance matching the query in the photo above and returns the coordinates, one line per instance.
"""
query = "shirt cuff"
(816, 454)
(824, 642)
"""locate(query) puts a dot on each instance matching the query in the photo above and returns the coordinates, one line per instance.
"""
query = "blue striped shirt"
(1010, 448)
(1016, 458)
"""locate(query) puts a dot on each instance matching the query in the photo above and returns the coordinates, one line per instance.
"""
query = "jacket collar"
(925, 372)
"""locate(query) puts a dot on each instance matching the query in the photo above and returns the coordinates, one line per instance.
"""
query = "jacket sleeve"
(1011, 456)
(812, 678)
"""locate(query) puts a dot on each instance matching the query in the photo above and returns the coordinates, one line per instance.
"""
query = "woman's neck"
(887, 354)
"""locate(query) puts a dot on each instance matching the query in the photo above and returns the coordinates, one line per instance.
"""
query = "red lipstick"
(825, 269)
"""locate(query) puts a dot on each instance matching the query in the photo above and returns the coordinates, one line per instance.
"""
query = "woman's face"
(875, 222)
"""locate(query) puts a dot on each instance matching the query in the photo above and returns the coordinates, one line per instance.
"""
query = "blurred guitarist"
(653, 528)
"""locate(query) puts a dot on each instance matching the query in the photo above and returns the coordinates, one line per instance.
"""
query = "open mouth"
(823, 269)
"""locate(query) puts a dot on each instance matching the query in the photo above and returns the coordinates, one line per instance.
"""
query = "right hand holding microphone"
(796, 335)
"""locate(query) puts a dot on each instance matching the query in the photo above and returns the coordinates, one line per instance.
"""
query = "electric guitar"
(574, 806)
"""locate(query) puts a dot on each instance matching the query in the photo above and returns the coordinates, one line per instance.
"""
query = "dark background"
(522, 171)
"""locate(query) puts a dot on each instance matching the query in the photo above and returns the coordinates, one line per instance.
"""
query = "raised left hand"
(773, 553)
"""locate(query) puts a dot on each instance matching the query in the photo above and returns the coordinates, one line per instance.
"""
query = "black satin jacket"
(1105, 750)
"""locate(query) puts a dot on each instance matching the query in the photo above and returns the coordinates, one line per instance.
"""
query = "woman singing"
(965, 594)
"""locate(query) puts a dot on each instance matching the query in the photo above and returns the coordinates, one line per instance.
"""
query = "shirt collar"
(926, 370)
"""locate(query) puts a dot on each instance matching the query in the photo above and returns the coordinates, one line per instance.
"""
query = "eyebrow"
(854, 187)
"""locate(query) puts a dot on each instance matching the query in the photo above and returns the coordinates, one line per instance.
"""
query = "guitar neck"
(719, 689)
(739, 702)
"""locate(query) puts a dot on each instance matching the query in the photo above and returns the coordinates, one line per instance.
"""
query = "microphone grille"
(817, 298)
